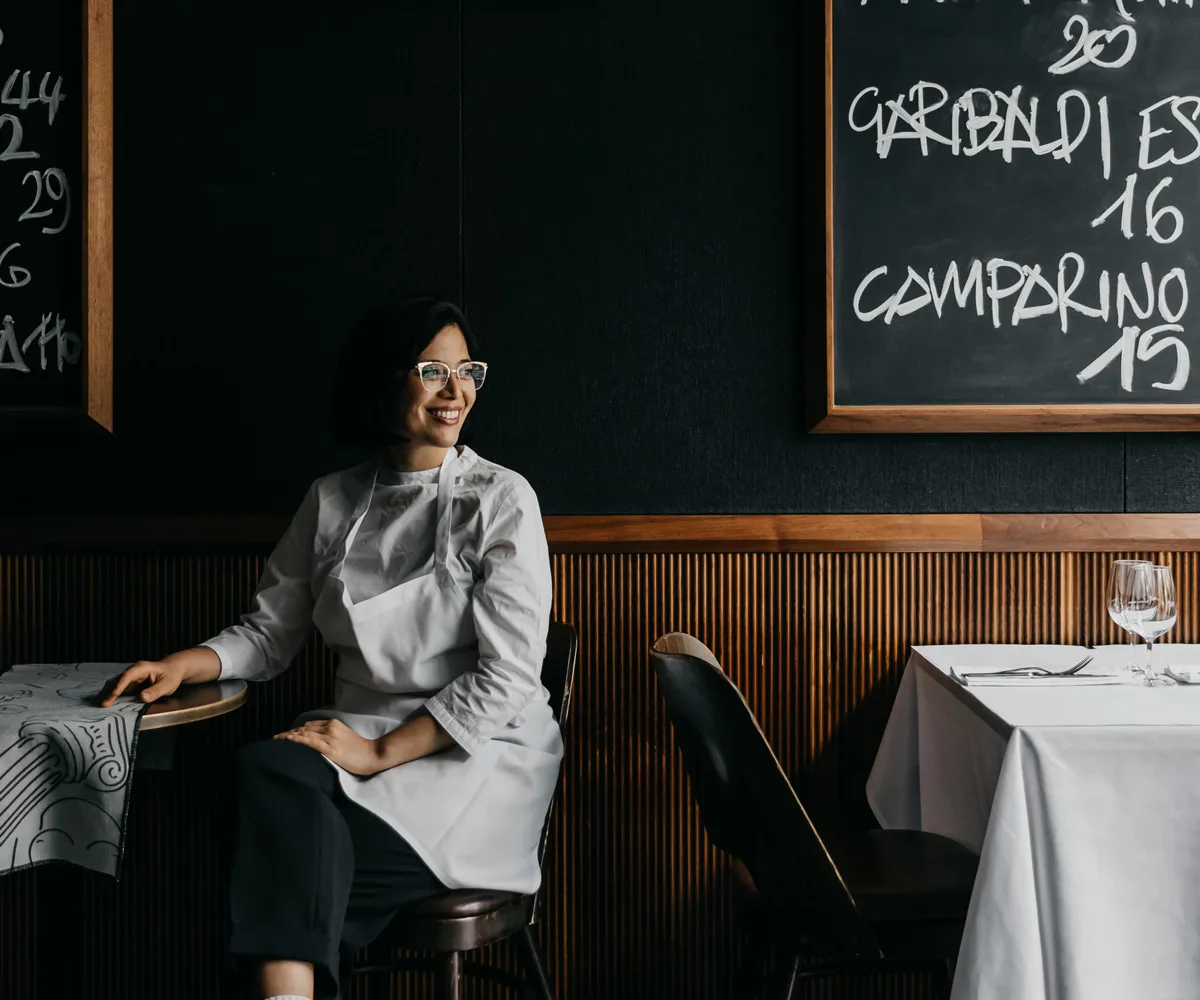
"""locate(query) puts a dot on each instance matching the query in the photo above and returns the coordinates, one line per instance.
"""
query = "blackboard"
(1012, 239)
(51, 130)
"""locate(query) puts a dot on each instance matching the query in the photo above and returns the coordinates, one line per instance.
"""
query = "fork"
(1035, 671)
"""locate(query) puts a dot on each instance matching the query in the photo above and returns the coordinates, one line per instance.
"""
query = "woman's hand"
(340, 744)
(159, 678)
(155, 678)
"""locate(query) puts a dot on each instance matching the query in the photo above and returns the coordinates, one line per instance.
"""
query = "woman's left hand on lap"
(340, 744)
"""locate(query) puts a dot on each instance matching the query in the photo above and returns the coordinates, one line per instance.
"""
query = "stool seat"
(458, 903)
(459, 920)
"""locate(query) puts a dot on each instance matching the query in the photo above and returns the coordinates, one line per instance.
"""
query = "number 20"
(1091, 43)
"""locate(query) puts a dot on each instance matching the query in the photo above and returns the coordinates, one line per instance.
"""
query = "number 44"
(51, 98)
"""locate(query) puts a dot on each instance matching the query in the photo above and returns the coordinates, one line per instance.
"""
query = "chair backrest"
(747, 804)
(558, 668)
(558, 676)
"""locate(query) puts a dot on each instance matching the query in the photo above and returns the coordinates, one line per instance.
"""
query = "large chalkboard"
(1014, 215)
(54, 134)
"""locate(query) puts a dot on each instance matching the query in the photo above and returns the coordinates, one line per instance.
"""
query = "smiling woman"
(386, 381)
(427, 573)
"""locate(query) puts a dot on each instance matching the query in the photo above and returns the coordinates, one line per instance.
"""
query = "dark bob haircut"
(388, 338)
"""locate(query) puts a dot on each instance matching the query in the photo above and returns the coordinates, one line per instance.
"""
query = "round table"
(193, 703)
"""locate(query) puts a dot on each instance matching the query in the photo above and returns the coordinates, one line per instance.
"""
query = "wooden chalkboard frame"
(827, 417)
(95, 404)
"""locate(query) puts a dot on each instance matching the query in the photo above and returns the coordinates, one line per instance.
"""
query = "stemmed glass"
(1150, 610)
(1118, 586)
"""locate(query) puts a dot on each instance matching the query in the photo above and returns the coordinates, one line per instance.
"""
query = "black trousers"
(315, 876)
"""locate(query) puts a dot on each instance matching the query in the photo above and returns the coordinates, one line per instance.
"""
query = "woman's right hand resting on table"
(155, 679)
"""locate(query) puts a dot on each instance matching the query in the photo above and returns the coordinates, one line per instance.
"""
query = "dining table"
(1081, 796)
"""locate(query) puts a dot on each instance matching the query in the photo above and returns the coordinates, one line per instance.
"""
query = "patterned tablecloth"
(65, 766)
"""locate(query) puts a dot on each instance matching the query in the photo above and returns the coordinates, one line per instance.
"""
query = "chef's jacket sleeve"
(511, 609)
(273, 630)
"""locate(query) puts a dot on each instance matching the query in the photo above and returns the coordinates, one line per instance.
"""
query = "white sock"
(288, 996)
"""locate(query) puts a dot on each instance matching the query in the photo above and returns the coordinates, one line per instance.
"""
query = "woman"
(426, 571)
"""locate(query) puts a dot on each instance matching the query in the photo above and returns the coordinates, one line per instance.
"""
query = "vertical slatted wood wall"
(637, 903)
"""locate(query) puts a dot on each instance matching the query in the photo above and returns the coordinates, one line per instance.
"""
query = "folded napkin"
(65, 766)
(1183, 673)
(982, 677)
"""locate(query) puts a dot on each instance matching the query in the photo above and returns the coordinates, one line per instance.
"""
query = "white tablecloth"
(1084, 805)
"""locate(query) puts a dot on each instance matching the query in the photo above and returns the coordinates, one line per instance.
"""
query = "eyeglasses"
(435, 374)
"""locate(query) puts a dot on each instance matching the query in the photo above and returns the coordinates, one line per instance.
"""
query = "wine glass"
(1150, 611)
(1118, 587)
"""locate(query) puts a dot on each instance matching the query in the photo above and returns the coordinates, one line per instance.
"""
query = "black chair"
(462, 920)
(881, 901)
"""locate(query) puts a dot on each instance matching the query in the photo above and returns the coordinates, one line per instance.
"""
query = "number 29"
(53, 184)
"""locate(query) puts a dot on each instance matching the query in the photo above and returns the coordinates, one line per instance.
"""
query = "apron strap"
(359, 515)
(445, 519)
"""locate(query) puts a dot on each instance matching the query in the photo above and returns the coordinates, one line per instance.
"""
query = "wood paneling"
(636, 898)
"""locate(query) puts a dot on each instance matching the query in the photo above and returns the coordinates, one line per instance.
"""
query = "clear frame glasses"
(435, 374)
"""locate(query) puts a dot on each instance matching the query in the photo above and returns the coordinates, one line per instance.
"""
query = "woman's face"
(433, 419)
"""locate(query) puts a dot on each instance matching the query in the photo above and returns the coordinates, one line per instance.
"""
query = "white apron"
(475, 819)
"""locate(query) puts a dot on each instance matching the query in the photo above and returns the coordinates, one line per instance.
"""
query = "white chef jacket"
(455, 624)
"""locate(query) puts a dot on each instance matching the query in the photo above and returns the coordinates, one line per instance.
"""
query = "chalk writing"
(1154, 214)
(67, 346)
(53, 183)
(51, 98)
(1134, 344)
(17, 277)
(16, 133)
(993, 121)
(1009, 280)
(1091, 45)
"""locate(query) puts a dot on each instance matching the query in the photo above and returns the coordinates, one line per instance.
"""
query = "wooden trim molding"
(680, 533)
(98, 237)
(1082, 418)
(1090, 532)
(877, 533)
(767, 533)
